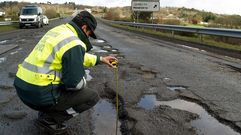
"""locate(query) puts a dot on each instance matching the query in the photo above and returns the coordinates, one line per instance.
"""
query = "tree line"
(218, 20)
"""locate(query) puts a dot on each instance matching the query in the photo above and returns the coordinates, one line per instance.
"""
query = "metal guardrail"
(7, 22)
(235, 33)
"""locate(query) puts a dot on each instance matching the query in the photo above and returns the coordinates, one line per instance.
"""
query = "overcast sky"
(217, 6)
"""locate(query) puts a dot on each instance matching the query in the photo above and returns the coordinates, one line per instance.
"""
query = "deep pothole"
(204, 125)
(127, 124)
(104, 118)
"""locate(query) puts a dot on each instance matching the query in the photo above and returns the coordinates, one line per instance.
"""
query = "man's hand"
(108, 60)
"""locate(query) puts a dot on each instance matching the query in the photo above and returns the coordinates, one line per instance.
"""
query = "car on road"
(45, 20)
(31, 15)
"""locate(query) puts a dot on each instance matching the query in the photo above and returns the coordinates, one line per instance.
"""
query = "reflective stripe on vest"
(49, 60)
(41, 72)
(46, 68)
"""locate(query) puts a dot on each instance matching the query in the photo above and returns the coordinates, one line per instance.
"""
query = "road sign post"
(145, 6)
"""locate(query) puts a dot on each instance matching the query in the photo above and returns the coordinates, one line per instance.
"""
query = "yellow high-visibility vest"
(43, 65)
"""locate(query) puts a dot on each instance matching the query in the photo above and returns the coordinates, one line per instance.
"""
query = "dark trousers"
(77, 101)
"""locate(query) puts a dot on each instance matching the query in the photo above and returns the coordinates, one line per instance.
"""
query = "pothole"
(205, 125)
(127, 123)
(148, 75)
(104, 118)
(147, 102)
(11, 74)
(120, 56)
(106, 47)
(5, 97)
(4, 101)
(166, 80)
(135, 65)
(102, 51)
(98, 41)
(3, 59)
(176, 87)
(114, 50)
(15, 115)
(3, 41)
(98, 50)
(152, 90)
(6, 87)
(125, 75)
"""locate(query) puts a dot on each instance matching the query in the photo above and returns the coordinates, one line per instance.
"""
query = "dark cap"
(84, 17)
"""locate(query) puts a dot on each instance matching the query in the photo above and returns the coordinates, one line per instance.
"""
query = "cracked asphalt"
(147, 66)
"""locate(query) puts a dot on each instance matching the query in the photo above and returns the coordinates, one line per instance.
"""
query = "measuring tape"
(115, 65)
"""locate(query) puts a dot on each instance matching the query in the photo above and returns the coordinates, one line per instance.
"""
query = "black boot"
(49, 124)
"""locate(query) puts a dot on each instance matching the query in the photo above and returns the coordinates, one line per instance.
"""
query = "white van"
(31, 15)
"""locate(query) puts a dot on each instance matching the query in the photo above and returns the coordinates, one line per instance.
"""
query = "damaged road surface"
(164, 89)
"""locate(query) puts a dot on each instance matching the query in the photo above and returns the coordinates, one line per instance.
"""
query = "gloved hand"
(108, 60)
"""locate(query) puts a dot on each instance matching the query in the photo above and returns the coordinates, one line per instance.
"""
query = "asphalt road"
(151, 71)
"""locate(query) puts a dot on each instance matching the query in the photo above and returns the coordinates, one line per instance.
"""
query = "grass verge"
(8, 27)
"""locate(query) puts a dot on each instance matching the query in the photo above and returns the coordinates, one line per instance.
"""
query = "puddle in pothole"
(114, 50)
(118, 56)
(104, 119)
(176, 87)
(3, 59)
(12, 53)
(147, 102)
(106, 47)
(3, 41)
(88, 76)
(205, 125)
(98, 50)
(166, 79)
(98, 41)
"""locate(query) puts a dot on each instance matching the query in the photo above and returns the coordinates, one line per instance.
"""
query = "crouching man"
(52, 80)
